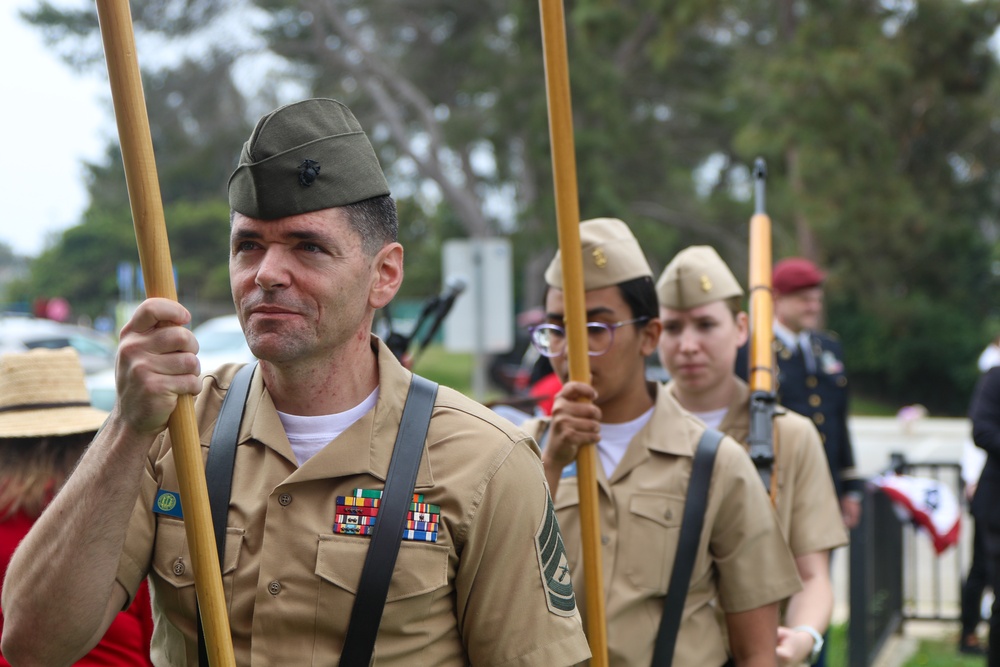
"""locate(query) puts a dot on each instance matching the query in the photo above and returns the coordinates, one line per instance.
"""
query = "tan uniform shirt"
(486, 592)
(742, 562)
(806, 504)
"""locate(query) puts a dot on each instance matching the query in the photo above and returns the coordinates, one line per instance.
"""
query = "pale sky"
(51, 120)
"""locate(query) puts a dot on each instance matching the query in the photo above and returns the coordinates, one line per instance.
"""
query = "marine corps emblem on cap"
(611, 256)
(305, 157)
(694, 277)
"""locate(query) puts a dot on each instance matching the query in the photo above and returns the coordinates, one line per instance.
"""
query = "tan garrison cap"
(305, 157)
(696, 276)
(611, 255)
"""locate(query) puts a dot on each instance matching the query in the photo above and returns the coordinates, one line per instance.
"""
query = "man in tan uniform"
(703, 327)
(313, 255)
(645, 442)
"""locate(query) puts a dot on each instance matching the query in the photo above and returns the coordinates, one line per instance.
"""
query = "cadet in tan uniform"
(645, 442)
(703, 327)
(313, 255)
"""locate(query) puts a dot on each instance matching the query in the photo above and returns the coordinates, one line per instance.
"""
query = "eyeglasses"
(550, 339)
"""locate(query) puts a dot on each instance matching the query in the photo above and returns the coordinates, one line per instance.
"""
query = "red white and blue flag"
(928, 503)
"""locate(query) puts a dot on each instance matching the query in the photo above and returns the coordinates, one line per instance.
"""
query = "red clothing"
(545, 390)
(126, 643)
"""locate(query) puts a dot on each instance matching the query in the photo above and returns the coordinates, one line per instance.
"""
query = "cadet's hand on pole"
(575, 422)
(793, 647)
(156, 362)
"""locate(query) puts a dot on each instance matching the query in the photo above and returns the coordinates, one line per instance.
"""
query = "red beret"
(795, 273)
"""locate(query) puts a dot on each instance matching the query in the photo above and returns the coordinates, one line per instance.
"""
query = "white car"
(20, 333)
(220, 341)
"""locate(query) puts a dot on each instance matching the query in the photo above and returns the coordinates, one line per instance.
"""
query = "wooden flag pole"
(154, 256)
(568, 220)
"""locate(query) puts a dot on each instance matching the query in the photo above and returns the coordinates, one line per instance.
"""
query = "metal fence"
(895, 574)
(876, 590)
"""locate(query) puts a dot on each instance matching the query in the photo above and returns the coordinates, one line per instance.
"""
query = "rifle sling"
(376, 573)
(695, 504)
(381, 558)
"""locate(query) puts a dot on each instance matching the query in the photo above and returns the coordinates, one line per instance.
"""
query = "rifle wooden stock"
(763, 396)
(154, 256)
(568, 220)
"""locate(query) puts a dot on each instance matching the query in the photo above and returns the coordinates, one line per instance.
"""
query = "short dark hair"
(640, 295)
(375, 220)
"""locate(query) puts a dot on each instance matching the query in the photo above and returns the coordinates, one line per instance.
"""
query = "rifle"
(763, 396)
(437, 307)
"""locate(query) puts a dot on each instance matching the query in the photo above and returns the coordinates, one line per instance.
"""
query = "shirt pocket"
(650, 532)
(174, 568)
(419, 577)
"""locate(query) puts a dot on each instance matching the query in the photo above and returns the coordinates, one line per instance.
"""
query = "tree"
(877, 121)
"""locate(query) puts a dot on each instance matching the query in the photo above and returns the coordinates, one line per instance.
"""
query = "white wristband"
(817, 642)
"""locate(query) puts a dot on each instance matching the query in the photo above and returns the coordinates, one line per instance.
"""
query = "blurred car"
(220, 341)
(101, 387)
(20, 333)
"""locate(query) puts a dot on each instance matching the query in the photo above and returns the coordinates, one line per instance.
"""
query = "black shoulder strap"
(388, 533)
(695, 504)
(219, 469)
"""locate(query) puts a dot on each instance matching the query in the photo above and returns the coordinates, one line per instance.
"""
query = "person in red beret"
(812, 379)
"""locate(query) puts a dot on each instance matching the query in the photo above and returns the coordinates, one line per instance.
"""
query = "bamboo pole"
(568, 221)
(154, 256)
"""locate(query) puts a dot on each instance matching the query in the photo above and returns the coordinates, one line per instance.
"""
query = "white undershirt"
(615, 439)
(712, 418)
(308, 435)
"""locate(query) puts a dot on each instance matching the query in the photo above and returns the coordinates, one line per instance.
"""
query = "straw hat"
(42, 393)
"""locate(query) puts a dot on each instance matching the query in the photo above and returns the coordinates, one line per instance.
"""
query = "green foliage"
(941, 653)
(82, 266)
(450, 369)
(878, 122)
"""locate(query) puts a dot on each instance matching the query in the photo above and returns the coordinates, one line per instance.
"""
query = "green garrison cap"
(305, 157)
(611, 255)
(696, 276)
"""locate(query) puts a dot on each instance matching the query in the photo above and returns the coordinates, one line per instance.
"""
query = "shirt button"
(285, 499)
(819, 418)
(815, 400)
(274, 588)
(179, 567)
(605, 540)
(811, 381)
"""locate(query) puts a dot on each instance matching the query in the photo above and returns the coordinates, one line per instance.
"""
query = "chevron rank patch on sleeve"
(553, 565)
